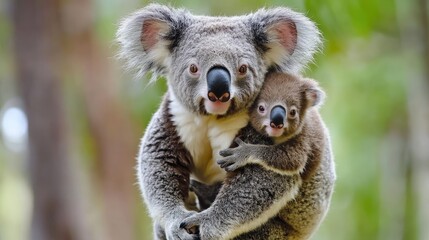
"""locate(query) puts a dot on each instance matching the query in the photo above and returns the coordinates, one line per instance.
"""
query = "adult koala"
(215, 68)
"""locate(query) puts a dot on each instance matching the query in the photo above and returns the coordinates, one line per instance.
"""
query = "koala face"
(280, 109)
(214, 76)
(216, 65)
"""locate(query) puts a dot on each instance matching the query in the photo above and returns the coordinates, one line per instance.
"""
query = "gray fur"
(166, 41)
(303, 179)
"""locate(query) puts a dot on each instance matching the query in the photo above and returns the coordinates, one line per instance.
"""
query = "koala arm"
(289, 157)
(163, 173)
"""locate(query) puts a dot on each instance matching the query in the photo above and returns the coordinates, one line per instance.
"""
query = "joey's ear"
(313, 93)
(148, 36)
(287, 39)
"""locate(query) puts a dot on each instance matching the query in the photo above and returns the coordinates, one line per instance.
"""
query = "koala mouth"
(217, 107)
(274, 132)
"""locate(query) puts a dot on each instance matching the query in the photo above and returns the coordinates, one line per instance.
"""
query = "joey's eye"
(292, 113)
(262, 108)
(193, 68)
(243, 69)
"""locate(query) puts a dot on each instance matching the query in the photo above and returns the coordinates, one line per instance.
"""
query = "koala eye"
(193, 68)
(261, 108)
(243, 69)
(292, 113)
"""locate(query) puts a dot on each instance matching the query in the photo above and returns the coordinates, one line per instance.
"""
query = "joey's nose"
(218, 84)
(277, 117)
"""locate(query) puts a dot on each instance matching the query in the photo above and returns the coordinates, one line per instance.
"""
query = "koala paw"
(235, 158)
(174, 231)
(203, 226)
(191, 224)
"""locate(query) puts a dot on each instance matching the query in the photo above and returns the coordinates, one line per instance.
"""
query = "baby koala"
(284, 107)
(277, 158)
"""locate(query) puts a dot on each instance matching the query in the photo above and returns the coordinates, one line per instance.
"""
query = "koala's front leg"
(285, 158)
(163, 172)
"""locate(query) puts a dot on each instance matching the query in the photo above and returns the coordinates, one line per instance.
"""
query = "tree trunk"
(37, 54)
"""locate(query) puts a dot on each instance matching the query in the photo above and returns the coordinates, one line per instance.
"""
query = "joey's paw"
(234, 158)
(231, 163)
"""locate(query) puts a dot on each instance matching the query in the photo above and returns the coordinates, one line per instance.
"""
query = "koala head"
(216, 65)
(279, 110)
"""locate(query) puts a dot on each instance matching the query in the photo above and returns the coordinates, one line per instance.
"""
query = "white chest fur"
(204, 137)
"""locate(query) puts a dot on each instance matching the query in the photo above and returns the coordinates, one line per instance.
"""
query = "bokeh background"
(71, 119)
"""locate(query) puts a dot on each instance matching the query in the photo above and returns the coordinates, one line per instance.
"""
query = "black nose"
(218, 83)
(277, 117)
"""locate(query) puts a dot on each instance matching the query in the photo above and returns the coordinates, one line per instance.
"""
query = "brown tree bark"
(37, 54)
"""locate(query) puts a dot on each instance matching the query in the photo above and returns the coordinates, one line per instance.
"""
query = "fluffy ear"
(286, 39)
(148, 36)
(313, 93)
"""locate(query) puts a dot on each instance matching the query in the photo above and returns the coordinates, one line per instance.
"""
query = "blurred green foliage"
(363, 67)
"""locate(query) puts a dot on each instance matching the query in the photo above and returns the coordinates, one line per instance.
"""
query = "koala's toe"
(221, 161)
(231, 168)
(225, 162)
(226, 152)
